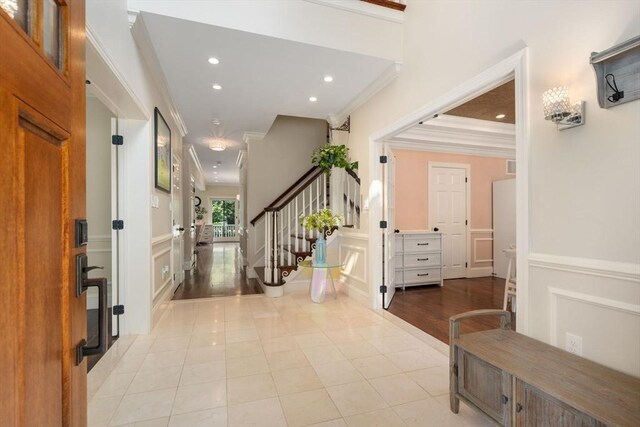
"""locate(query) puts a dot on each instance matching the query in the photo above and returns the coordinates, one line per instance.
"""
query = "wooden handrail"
(300, 189)
(285, 192)
(353, 174)
(388, 3)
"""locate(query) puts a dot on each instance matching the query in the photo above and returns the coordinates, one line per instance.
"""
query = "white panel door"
(504, 223)
(178, 226)
(390, 238)
(448, 214)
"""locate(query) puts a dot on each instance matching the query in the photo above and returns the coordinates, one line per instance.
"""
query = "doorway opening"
(429, 129)
(102, 203)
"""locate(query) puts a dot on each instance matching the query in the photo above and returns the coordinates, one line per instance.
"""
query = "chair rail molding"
(557, 293)
(593, 267)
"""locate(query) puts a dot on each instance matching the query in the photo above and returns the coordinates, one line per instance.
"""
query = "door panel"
(448, 213)
(42, 192)
(43, 158)
(390, 237)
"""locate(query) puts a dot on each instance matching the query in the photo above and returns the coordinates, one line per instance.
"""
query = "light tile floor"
(255, 361)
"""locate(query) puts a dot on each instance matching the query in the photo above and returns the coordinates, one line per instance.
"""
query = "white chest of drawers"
(418, 259)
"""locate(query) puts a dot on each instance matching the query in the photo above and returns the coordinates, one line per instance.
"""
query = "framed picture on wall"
(162, 135)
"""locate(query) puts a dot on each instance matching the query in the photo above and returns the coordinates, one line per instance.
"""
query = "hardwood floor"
(218, 272)
(429, 307)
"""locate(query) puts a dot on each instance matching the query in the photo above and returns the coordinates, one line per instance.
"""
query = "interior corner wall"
(582, 180)
(146, 237)
(280, 158)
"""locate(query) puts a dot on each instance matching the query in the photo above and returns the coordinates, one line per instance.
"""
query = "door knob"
(436, 229)
(93, 267)
(181, 229)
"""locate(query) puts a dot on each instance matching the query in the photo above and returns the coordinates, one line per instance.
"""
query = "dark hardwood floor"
(218, 272)
(429, 307)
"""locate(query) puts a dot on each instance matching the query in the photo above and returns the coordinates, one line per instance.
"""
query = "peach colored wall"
(412, 186)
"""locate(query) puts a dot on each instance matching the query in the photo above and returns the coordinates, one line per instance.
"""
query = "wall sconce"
(558, 108)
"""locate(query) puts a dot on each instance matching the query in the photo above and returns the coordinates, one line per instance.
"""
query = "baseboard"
(296, 286)
(479, 272)
(251, 273)
(355, 293)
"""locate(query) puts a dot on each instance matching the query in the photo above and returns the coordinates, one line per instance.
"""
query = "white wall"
(146, 229)
(584, 182)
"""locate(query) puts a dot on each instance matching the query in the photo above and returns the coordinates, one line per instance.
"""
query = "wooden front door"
(42, 192)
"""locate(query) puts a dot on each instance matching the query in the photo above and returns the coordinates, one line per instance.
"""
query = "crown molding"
(376, 86)
(253, 136)
(201, 182)
(130, 105)
(460, 135)
(363, 8)
(240, 158)
(142, 39)
(132, 15)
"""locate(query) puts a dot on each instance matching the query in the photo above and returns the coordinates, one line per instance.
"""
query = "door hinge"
(383, 289)
(117, 140)
(466, 179)
(117, 224)
(383, 159)
(118, 310)
(466, 222)
(383, 224)
(455, 370)
(466, 264)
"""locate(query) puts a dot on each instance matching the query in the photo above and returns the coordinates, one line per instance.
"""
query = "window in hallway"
(224, 218)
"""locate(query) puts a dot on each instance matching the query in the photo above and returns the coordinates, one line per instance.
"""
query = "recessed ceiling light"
(501, 116)
(217, 86)
(214, 61)
(328, 79)
(313, 99)
(216, 122)
(215, 166)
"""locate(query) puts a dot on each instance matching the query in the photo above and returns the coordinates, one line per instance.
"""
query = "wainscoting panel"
(596, 300)
(353, 252)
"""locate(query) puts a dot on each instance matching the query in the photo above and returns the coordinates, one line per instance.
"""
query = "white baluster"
(267, 261)
(297, 219)
(324, 190)
(281, 247)
(288, 231)
(317, 194)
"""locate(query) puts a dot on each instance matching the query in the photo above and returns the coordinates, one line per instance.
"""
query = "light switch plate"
(155, 202)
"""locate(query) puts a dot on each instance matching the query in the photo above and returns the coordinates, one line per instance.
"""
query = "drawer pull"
(518, 407)
(423, 274)
(423, 244)
(423, 259)
(505, 399)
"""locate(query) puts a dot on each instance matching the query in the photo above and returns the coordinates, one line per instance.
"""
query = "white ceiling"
(261, 77)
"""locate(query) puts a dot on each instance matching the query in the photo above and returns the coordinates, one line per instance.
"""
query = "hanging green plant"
(332, 156)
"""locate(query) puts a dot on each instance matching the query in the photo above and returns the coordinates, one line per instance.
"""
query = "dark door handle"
(505, 399)
(518, 407)
(181, 229)
(82, 349)
(93, 267)
(421, 275)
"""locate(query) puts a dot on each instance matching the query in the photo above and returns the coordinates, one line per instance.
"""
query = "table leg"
(335, 293)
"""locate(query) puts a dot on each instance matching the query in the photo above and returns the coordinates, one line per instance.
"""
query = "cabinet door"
(486, 386)
(535, 408)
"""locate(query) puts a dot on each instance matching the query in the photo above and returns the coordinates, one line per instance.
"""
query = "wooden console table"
(519, 381)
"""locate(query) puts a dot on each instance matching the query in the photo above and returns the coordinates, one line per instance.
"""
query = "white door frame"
(514, 67)
(467, 227)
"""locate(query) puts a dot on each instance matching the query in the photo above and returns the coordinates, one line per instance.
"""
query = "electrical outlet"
(573, 343)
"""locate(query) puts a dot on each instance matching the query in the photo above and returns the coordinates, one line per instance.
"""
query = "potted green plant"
(321, 220)
(332, 156)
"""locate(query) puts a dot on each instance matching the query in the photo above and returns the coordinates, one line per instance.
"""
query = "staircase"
(286, 242)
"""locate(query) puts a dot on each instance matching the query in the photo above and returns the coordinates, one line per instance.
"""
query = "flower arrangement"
(332, 156)
(321, 220)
